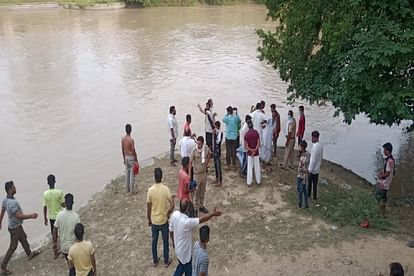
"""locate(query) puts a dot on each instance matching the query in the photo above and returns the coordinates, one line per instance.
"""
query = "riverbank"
(261, 230)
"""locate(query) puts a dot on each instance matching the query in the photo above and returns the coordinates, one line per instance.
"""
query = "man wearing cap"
(385, 177)
(64, 228)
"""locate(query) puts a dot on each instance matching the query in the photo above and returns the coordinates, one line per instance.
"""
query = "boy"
(385, 177)
(302, 173)
(200, 258)
(218, 137)
(52, 201)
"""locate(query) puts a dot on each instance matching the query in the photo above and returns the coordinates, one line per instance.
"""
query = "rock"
(346, 187)
(267, 228)
(334, 227)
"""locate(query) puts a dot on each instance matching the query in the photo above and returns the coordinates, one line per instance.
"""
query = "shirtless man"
(130, 157)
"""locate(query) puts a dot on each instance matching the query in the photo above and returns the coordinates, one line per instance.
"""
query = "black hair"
(183, 205)
(396, 269)
(217, 124)
(128, 129)
(229, 109)
(79, 231)
(303, 143)
(258, 106)
(200, 138)
(188, 117)
(262, 104)
(185, 161)
(388, 146)
(69, 201)
(234, 108)
(315, 134)
(8, 185)
(290, 112)
(250, 124)
(273, 106)
(301, 107)
(248, 118)
(172, 109)
(204, 233)
(158, 175)
(51, 180)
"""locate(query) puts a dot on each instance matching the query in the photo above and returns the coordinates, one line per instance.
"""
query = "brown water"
(70, 80)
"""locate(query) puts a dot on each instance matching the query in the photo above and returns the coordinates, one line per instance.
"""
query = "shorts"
(381, 195)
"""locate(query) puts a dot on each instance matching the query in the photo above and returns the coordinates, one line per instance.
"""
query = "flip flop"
(156, 262)
(168, 263)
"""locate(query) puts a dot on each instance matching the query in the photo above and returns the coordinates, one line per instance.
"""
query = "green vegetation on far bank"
(135, 3)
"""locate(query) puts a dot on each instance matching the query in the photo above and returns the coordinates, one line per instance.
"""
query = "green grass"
(347, 208)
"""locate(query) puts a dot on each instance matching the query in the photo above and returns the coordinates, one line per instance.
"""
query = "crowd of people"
(251, 148)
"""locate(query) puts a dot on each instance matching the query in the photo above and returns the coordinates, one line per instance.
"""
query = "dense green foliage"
(358, 54)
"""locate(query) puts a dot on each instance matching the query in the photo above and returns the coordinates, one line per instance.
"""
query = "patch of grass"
(343, 207)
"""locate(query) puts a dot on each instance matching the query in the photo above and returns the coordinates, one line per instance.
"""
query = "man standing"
(290, 140)
(130, 157)
(301, 127)
(173, 133)
(232, 129)
(200, 263)
(187, 126)
(315, 166)
(385, 177)
(187, 144)
(82, 254)
(184, 180)
(258, 117)
(209, 122)
(181, 230)
(158, 212)
(15, 226)
(252, 143)
(199, 162)
(65, 224)
(276, 130)
(242, 153)
(52, 201)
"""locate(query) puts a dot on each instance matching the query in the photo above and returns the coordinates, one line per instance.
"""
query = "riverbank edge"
(34, 6)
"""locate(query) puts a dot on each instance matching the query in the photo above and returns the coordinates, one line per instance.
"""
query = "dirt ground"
(259, 233)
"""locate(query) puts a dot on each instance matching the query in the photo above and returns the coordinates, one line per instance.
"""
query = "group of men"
(64, 224)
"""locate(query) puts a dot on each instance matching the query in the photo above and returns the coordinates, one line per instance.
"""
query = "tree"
(357, 54)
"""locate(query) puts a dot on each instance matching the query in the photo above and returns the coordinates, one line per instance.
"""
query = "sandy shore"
(261, 231)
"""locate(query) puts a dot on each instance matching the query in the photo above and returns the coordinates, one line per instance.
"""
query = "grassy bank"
(259, 225)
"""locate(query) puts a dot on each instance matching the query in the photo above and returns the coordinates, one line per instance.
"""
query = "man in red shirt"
(301, 127)
(251, 144)
(184, 181)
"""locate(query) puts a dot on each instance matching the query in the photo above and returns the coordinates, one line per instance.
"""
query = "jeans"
(16, 235)
(242, 156)
(155, 229)
(181, 269)
(301, 189)
(313, 185)
(217, 167)
(253, 163)
(209, 139)
(230, 152)
(129, 174)
(172, 149)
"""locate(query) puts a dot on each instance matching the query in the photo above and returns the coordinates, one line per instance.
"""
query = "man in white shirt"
(181, 230)
(210, 118)
(315, 166)
(187, 144)
(173, 133)
(258, 117)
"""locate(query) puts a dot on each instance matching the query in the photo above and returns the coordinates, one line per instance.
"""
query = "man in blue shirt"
(17, 234)
(232, 122)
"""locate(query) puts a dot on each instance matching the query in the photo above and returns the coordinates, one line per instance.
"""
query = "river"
(71, 79)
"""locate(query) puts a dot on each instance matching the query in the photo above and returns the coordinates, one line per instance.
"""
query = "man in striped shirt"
(200, 255)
